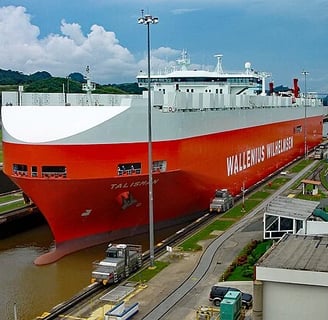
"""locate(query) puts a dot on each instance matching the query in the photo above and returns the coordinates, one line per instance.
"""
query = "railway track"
(96, 289)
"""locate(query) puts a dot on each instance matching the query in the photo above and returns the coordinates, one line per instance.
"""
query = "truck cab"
(120, 261)
(318, 153)
(222, 201)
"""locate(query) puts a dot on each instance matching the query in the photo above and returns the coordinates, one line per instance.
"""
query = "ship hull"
(94, 203)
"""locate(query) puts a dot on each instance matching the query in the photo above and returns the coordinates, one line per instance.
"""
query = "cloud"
(163, 58)
(274, 29)
(61, 54)
(73, 31)
(165, 52)
(16, 26)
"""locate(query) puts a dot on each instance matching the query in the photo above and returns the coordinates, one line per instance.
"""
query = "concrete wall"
(294, 301)
(316, 227)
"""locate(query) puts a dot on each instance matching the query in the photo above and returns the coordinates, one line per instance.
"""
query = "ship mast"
(88, 86)
(184, 62)
(264, 75)
(218, 68)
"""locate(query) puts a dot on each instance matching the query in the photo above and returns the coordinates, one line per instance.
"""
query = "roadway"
(184, 285)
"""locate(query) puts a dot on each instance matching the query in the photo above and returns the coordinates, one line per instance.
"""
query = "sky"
(283, 38)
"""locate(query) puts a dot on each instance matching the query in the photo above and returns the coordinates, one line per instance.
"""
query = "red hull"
(87, 204)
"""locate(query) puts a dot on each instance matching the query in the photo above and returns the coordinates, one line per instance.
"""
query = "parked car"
(217, 294)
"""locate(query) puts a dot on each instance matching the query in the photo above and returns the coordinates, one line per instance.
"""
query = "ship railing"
(55, 175)
(188, 102)
(58, 99)
(138, 171)
(20, 172)
(309, 102)
(128, 172)
(193, 102)
(158, 168)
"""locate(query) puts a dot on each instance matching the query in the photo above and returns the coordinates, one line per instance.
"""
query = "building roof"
(314, 182)
(291, 207)
(298, 252)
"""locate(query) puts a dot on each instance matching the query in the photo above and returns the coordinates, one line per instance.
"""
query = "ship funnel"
(271, 88)
(296, 88)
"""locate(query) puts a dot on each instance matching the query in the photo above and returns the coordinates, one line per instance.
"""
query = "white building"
(291, 280)
(289, 215)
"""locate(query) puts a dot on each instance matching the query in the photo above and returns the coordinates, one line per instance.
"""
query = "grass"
(148, 273)
(11, 197)
(242, 268)
(11, 202)
(300, 166)
(224, 221)
(323, 179)
(12, 206)
(191, 244)
(323, 175)
(276, 183)
(297, 183)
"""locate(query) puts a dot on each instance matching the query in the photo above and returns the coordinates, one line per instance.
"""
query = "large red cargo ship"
(83, 159)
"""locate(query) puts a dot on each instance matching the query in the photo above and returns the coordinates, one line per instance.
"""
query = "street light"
(305, 73)
(148, 20)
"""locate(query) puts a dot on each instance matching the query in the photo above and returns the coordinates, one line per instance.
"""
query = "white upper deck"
(182, 79)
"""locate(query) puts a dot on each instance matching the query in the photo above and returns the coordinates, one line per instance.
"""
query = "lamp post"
(148, 20)
(305, 73)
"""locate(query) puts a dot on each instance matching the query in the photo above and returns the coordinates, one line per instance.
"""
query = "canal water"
(37, 289)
